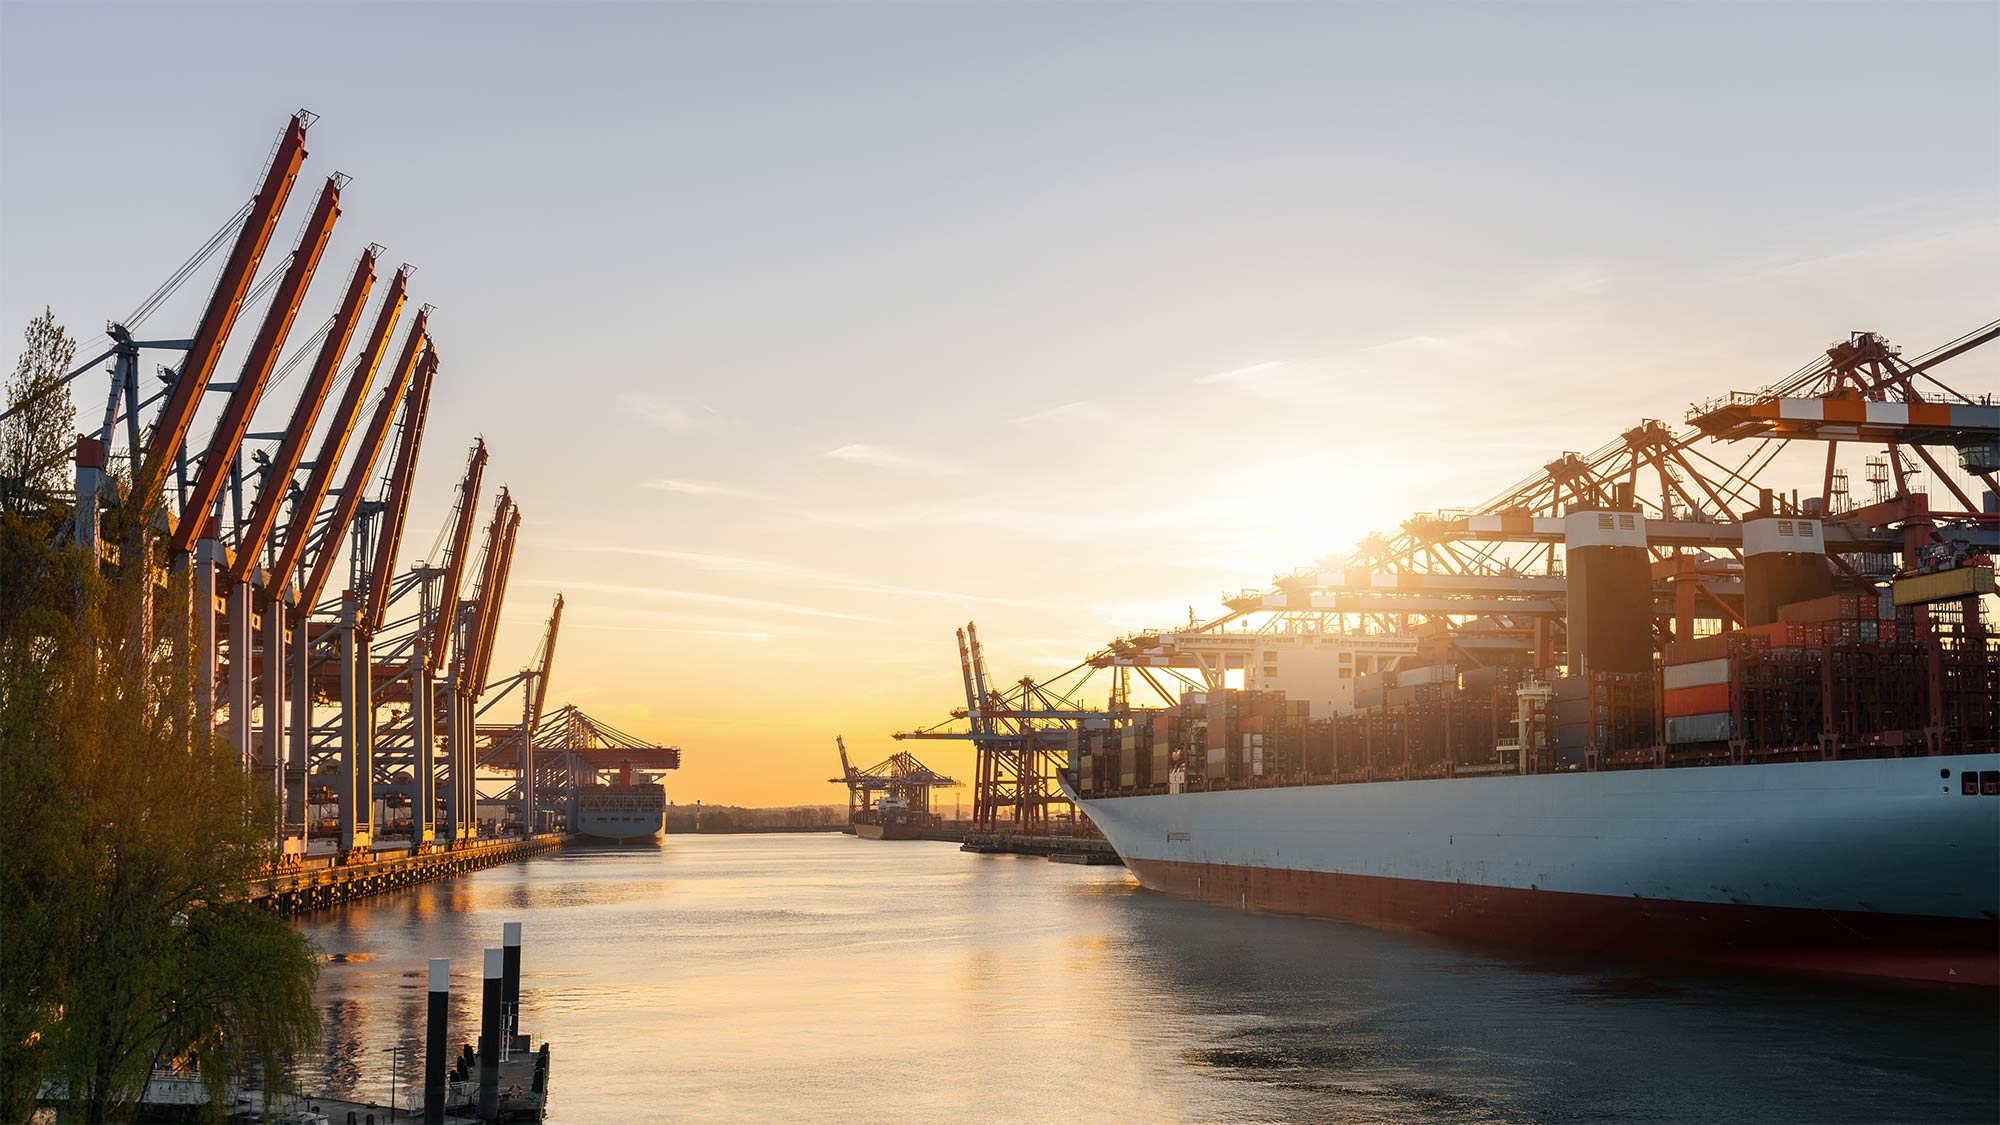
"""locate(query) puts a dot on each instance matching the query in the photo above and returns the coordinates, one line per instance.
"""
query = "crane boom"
(363, 465)
(402, 474)
(454, 561)
(489, 624)
(170, 431)
(465, 652)
(548, 660)
(292, 553)
(257, 366)
(291, 450)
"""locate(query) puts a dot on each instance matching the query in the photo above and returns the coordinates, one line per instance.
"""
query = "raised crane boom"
(454, 560)
(489, 621)
(257, 367)
(363, 465)
(465, 650)
(342, 426)
(170, 431)
(548, 661)
(396, 505)
(291, 450)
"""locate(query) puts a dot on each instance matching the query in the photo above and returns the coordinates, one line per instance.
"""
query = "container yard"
(1707, 719)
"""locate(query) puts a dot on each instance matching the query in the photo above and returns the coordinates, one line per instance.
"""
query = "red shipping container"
(1697, 700)
(1833, 607)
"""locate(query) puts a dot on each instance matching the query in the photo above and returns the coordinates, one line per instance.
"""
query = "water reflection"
(813, 977)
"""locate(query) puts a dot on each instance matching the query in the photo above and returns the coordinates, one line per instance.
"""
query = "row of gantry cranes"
(1499, 590)
(359, 704)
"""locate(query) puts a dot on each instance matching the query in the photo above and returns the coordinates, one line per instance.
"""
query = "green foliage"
(126, 835)
(36, 442)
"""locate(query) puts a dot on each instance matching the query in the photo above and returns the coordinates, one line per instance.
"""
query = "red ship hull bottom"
(886, 831)
(1963, 951)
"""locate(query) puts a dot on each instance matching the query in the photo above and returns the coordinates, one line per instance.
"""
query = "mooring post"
(434, 1041)
(510, 983)
(489, 1038)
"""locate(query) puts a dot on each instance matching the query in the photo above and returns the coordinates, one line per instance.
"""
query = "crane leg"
(203, 593)
(423, 717)
(296, 812)
(242, 732)
(272, 754)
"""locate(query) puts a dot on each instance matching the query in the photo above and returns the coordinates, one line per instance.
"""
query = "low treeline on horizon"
(735, 818)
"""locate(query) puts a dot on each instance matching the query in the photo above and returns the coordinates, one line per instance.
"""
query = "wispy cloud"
(1340, 378)
(1034, 523)
(702, 597)
(661, 412)
(770, 568)
(725, 634)
(1976, 240)
(1081, 411)
(890, 458)
(703, 488)
(1245, 376)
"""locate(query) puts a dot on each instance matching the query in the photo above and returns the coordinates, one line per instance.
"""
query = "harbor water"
(824, 978)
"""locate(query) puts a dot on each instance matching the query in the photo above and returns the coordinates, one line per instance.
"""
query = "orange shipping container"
(1703, 700)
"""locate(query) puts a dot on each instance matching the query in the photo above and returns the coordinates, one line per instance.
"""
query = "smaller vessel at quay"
(890, 800)
(891, 818)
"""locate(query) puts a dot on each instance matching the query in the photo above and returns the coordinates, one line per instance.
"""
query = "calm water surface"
(822, 978)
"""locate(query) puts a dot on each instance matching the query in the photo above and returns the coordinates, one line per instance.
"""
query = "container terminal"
(368, 709)
(1644, 701)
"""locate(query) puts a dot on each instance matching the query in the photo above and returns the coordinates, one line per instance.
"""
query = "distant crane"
(1022, 738)
(900, 777)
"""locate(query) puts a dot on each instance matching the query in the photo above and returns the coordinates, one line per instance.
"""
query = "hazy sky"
(804, 333)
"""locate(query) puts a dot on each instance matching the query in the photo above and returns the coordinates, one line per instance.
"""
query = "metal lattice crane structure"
(289, 669)
(1487, 585)
(506, 748)
(574, 752)
(1021, 737)
(900, 776)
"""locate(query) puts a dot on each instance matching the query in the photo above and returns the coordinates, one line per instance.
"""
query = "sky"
(803, 334)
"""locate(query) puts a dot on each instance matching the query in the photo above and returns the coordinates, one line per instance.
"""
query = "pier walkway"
(321, 880)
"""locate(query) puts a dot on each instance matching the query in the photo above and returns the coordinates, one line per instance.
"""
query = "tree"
(36, 440)
(126, 839)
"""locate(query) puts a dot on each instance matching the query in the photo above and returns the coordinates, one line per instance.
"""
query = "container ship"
(1585, 718)
(1734, 803)
(622, 814)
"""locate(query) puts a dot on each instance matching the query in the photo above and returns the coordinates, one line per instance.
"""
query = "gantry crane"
(262, 641)
(900, 777)
(507, 746)
(1021, 739)
(407, 652)
(1486, 585)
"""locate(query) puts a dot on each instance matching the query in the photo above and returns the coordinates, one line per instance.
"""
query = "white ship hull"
(1878, 866)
